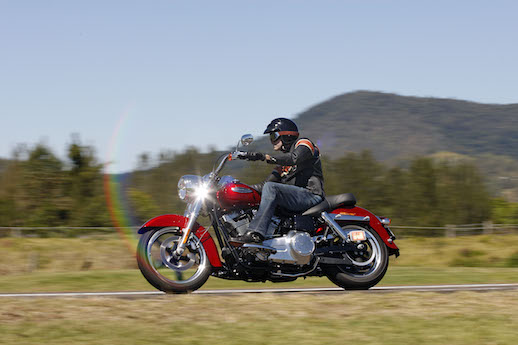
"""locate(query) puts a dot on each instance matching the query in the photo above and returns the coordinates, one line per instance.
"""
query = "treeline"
(427, 192)
(39, 189)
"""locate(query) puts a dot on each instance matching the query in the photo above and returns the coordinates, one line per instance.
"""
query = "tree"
(84, 187)
(43, 201)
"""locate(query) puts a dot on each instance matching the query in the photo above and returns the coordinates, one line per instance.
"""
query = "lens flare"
(202, 192)
(114, 194)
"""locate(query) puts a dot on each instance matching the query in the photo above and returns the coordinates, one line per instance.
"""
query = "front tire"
(368, 268)
(163, 271)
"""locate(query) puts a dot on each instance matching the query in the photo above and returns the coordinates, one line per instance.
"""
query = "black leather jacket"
(300, 166)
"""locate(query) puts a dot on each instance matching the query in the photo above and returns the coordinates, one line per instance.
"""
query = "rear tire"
(361, 277)
(156, 263)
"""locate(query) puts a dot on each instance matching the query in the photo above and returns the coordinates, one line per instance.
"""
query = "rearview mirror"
(247, 139)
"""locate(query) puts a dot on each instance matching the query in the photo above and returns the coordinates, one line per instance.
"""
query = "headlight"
(192, 186)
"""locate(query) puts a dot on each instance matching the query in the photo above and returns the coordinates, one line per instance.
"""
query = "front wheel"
(369, 262)
(165, 271)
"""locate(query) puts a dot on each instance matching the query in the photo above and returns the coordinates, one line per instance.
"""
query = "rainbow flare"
(117, 207)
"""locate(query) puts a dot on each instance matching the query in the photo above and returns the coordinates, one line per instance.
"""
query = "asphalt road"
(133, 294)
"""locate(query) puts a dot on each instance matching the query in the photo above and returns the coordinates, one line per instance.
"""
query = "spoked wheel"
(164, 270)
(370, 262)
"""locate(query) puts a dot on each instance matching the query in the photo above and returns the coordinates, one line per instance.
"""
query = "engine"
(295, 248)
(237, 222)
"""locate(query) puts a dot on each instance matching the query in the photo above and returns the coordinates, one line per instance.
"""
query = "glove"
(254, 156)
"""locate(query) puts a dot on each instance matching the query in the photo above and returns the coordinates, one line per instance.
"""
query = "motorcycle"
(336, 239)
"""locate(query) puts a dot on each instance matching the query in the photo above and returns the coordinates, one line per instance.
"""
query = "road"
(380, 289)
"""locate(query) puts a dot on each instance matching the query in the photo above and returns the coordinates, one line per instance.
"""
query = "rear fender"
(181, 222)
(374, 223)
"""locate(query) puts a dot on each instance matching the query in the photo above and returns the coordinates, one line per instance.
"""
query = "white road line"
(461, 287)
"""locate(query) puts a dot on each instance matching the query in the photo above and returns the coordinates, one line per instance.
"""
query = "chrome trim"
(330, 220)
(219, 168)
(241, 190)
(203, 260)
(391, 234)
(258, 246)
(294, 248)
(376, 251)
(189, 209)
(247, 139)
(187, 184)
(350, 218)
(226, 180)
(196, 208)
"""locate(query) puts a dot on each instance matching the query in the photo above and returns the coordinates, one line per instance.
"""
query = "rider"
(296, 184)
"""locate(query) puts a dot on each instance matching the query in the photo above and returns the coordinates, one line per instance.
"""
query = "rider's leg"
(275, 194)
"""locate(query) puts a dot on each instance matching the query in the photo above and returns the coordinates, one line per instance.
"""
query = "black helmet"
(285, 129)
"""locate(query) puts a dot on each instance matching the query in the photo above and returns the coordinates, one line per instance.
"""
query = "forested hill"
(398, 126)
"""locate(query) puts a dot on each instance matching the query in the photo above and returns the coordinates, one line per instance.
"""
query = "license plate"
(357, 236)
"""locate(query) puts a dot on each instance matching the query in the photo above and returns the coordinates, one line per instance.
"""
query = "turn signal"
(385, 221)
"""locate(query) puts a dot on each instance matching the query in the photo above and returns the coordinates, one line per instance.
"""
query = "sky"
(131, 77)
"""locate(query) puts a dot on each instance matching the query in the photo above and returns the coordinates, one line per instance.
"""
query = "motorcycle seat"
(331, 202)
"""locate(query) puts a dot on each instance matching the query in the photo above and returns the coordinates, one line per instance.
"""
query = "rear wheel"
(370, 262)
(164, 270)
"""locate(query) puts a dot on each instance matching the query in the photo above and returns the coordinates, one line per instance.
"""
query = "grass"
(104, 263)
(394, 318)
(465, 251)
(103, 252)
(132, 280)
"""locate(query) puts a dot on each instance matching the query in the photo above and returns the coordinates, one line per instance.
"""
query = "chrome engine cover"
(237, 222)
(295, 248)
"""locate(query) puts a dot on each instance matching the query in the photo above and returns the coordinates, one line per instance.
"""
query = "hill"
(394, 126)
(397, 128)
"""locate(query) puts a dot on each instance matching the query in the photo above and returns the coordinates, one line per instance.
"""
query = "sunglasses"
(274, 136)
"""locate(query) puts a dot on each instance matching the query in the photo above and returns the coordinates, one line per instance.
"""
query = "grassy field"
(356, 317)
(102, 252)
(132, 280)
(104, 263)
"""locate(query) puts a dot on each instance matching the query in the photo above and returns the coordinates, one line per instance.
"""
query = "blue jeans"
(292, 198)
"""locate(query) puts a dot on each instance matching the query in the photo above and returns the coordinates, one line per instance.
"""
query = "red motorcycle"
(347, 244)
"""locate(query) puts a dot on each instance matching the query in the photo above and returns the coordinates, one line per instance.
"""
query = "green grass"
(132, 280)
(465, 251)
(106, 252)
(104, 263)
(358, 318)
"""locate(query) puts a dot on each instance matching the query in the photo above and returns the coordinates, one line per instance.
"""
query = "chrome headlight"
(187, 186)
(192, 187)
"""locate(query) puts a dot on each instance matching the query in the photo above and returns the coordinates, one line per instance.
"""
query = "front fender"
(373, 223)
(181, 222)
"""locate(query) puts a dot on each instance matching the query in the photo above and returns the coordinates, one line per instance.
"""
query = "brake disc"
(167, 248)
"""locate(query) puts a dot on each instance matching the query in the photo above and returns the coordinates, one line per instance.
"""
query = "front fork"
(192, 212)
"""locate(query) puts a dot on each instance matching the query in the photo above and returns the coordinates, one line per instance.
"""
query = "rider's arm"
(303, 151)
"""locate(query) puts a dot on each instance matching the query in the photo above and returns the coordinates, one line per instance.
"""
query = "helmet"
(285, 129)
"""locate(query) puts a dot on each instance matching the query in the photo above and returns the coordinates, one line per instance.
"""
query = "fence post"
(450, 230)
(488, 227)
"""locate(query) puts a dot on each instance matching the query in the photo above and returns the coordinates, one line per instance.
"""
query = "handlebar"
(230, 156)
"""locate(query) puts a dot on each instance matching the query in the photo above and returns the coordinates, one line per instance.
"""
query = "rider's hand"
(254, 156)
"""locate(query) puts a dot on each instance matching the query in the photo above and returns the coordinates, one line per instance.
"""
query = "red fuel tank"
(238, 195)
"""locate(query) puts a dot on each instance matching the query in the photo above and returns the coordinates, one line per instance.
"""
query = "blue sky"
(201, 73)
